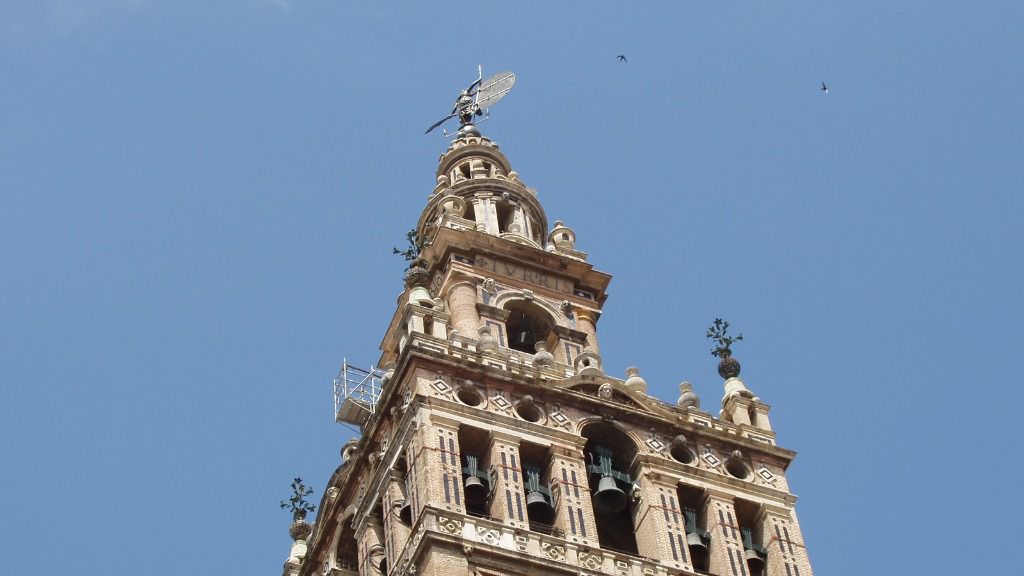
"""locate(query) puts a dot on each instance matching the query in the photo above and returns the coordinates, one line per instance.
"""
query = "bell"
(405, 513)
(698, 551)
(476, 492)
(526, 338)
(538, 508)
(609, 498)
(384, 566)
(754, 561)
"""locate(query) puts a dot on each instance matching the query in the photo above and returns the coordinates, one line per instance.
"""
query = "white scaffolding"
(356, 392)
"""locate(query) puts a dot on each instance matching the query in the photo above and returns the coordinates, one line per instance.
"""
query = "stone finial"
(687, 397)
(486, 341)
(542, 357)
(634, 382)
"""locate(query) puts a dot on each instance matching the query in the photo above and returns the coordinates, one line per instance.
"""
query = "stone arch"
(505, 297)
(343, 551)
(610, 450)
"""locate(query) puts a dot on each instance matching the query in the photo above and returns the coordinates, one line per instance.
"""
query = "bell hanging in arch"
(609, 498)
(476, 492)
(538, 508)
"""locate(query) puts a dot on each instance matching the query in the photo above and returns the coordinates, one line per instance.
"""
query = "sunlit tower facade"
(493, 443)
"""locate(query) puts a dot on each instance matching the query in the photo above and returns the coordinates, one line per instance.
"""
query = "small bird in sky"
(622, 58)
(824, 88)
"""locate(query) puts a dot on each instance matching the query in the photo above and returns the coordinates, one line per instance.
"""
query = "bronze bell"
(609, 498)
(476, 492)
(754, 561)
(405, 513)
(538, 508)
(698, 550)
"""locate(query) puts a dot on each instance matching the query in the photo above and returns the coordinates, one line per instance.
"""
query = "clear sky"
(198, 201)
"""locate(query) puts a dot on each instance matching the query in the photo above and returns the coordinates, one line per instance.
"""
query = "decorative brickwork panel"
(574, 513)
(661, 527)
(396, 533)
(785, 547)
(507, 501)
(726, 551)
(437, 469)
(371, 549)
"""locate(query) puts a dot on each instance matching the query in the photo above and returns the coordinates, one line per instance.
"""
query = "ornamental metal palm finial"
(297, 504)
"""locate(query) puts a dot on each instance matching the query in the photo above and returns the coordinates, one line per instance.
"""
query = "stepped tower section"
(499, 444)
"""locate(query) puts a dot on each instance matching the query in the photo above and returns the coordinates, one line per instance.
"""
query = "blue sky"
(198, 202)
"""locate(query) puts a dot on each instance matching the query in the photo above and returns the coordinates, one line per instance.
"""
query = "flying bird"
(824, 88)
(622, 58)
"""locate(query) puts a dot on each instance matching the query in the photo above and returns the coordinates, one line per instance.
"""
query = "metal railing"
(356, 391)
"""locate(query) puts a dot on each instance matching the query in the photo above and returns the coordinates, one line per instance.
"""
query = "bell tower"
(498, 444)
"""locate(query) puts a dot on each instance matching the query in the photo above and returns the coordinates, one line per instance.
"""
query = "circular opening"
(469, 397)
(682, 454)
(737, 469)
(529, 412)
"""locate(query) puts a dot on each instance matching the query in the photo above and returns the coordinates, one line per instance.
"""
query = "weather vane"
(478, 98)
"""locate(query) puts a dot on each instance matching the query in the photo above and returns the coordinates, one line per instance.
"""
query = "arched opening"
(528, 324)
(691, 499)
(536, 463)
(753, 552)
(476, 482)
(610, 454)
(405, 506)
(506, 212)
(346, 555)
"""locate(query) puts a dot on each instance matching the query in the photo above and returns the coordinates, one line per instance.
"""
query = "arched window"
(528, 324)
(610, 454)
(346, 556)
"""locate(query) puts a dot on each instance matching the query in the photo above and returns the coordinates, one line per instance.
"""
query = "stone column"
(574, 512)
(784, 543)
(397, 532)
(487, 213)
(508, 502)
(725, 555)
(585, 323)
(660, 527)
(462, 307)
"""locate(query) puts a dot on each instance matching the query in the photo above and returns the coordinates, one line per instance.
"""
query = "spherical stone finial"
(687, 397)
(634, 382)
